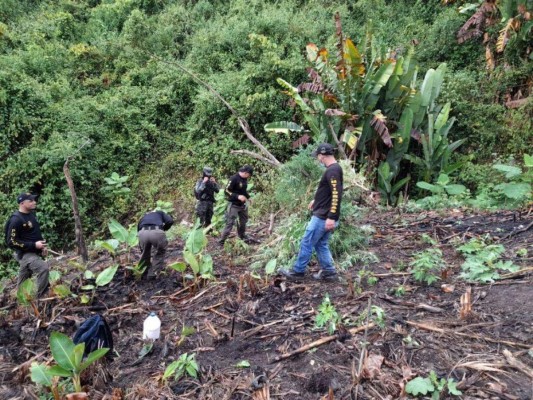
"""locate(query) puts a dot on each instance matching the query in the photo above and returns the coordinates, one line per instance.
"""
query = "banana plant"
(201, 263)
(436, 148)
(367, 101)
(69, 359)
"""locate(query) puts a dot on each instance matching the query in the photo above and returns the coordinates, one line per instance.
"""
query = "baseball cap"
(325, 149)
(208, 171)
(247, 168)
(25, 196)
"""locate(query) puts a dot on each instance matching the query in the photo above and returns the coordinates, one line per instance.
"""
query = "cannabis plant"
(327, 316)
(427, 265)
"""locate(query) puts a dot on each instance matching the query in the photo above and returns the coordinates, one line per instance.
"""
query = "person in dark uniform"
(24, 236)
(205, 190)
(326, 207)
(238, 200)
(151, 231)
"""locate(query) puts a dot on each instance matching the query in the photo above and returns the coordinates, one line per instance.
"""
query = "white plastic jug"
(151, 327)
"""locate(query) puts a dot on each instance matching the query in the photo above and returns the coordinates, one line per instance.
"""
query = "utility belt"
(150, 228)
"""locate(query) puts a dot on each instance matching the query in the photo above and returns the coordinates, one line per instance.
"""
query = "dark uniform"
(237, 209)
(151, 230)
(205, 193)
(23, 231)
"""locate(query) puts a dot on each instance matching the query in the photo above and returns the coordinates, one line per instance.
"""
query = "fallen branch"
(320, 342)
(512, 275)
(512, 233)
(471, 336)
(519, 365)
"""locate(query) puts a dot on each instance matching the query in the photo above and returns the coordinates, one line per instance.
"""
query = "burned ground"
(238, 317)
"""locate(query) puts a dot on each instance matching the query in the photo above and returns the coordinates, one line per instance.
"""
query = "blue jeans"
(315, 237)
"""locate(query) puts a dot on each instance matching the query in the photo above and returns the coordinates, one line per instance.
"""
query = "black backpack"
(95, 333)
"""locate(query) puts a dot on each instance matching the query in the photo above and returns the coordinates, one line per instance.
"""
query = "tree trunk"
(82, 249)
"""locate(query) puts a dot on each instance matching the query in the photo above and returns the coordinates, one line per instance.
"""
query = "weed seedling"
(427, 264)
(185, 365)
(432, 384)
(327, 316)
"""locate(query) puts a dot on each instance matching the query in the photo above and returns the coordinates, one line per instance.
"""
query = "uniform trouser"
(157, 240)
(235, 213)
(32, 263)
(204, 211)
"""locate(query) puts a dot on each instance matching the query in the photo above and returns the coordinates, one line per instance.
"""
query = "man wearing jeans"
(326, 210)
(151, 231)
(23, 235)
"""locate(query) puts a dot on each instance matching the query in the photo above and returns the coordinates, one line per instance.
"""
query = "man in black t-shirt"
(326, 207)
(238, 198)
(205, 190)
(23, 234)
(151, 231)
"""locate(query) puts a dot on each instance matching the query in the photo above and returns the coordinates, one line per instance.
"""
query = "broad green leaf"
(88, 287)
(26, 292)
(528, 160)
(455, 189)
(452, 388)
(62, 291)
(428, 186)
(133, 238)
(516, 191)
(54, 276)
(169, 371)
(196, 241)
(62, 349)
(398, 185)
(178, 266)
(191, 261)
(92, 357)
(509, 170)
(206, 268)
(419, 385)
(84, 299)
(118, 231)
(191, 371)
(443, 180)
(40, 374)
(56, 370)
(243, 364)
(79, 349)
(88, 274)
(106, 275)
(283, 127)
(270, 267)
(442, 118)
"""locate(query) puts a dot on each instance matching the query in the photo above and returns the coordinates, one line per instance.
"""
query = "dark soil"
(239, 318)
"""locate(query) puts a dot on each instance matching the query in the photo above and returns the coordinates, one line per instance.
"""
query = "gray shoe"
(329, 276)
(290, 274)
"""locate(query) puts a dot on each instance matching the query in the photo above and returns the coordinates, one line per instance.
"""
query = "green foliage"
(327, 316)
(442, 186)
(483, 261)
(518, 186)
(115, 185)
(185, 365)
(27, 291)
(427, 265)
(377, 315)
(69, 359)
(200, 263)
(102, 279)
(432, 385)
